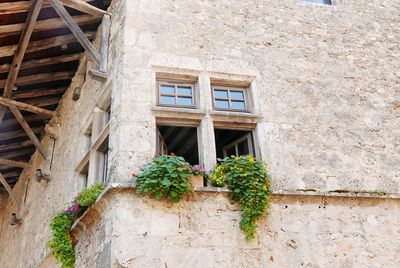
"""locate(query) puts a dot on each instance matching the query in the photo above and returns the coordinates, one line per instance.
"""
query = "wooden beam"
(4, 136)
(9, 190)
(34, 46)
(15, 146)
(27, 129)
(13, 163)
(105, 39)
(84, 7)
(20, 51)
(20, 7)
(41, 78)
(37, 93)
(5, 68)
(27, 107)
(45, 25)
(93, 54)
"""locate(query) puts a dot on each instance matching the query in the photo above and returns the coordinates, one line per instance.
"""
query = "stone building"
(312, 88)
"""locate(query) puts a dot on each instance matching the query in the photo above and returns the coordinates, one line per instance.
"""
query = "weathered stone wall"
(299, 232)
(25, 245)
(326, 82)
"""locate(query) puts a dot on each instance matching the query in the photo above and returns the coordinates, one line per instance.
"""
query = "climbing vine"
(60, 242)
(249, 181)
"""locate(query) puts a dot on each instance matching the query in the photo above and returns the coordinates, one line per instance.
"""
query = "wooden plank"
(105, 39)
(27, 129)
(34, 46)
(13, 163)
(45, 25)
(5, 68)
(4, 136)
(93, 54)
(27, 107)
(9, 190)
(41, 78)
(20, 51)
(37, 93)
(84, 7)
(15, 146)
(20, 7)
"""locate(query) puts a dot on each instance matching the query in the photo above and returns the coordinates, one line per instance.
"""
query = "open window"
(230, 142)
(181, 141)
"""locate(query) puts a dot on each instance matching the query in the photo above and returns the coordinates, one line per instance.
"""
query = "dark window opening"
(230, 142)
(181, 141)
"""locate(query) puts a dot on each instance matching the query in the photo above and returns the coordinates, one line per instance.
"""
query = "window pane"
(231, 151)
(237, 95)
(164, 89)
(220, 94)
(185, 101)
(221, 104)
(167, 100)
(185, 91)
(238, 105)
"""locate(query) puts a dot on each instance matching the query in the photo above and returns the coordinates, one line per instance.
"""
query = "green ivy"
(60, 242)
(249, 181)
(165, 177)
(89, 195)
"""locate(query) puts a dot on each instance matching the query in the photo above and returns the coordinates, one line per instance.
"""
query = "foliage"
(89, 195)
(165, 177)
(249, 181)
(60, 242)
(199, 170)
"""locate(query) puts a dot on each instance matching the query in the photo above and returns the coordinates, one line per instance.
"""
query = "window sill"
(177, 115)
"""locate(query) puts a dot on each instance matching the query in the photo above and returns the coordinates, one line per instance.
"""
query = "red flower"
(133, 175)
(172, 154)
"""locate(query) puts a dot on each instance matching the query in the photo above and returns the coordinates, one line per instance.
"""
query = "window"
(232, 99)
(176, 94)
(181, 141)
(230, 142)
(325, 2)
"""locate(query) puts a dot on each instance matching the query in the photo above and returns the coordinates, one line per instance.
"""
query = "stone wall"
(325, 81)
(299, 232)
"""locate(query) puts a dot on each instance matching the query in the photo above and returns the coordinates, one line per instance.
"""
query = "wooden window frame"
(235, 143)
(177, 84)
(229, 99)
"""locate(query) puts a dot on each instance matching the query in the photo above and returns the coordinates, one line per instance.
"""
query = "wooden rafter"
(40, 78)
(84, 7)
(93, 54)
(46, 25)
(9, 190)
(27, 129)
(13, 163)
(20, 51)
(27, 107)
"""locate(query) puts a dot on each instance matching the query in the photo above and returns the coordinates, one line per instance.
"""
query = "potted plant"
(199, 173)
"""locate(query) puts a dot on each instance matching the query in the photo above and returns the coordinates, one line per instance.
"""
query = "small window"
(176, 94)
(324, 2)
(233, 99)
(181, 141)
(230, 142)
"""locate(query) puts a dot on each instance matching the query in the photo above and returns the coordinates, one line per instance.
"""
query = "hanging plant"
(165, 177)
(60, 242)
(249, 181)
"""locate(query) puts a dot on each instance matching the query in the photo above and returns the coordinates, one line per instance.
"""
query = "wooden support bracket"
(9, 190)
(27, 107)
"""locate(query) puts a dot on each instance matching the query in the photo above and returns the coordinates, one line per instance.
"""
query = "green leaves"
(165, 177)
(60, 242)
(249, 182)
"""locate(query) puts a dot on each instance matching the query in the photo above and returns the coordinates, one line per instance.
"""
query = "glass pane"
(164, 89)
(185, 91)
(237, 95)
(167, 100)
(218, 93)
(185, 101)
(238, 105)
(221, 104)
(243, 147)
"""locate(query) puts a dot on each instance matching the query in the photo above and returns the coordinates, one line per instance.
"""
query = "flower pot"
(197, 181)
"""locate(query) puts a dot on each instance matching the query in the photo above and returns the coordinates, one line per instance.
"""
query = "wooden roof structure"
(41, 43)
